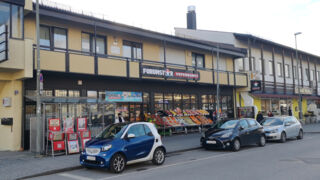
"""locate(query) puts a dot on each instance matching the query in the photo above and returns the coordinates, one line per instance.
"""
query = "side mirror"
(130, 136)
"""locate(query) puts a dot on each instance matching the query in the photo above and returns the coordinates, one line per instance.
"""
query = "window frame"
(22, 30)
(279, 69)
(287, 70)
(132, 45)
(52, 47)
(196, 61)
(91, 40)
(271, 70)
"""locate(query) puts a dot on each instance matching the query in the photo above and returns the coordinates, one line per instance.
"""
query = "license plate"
(91, 158)
(211, 142)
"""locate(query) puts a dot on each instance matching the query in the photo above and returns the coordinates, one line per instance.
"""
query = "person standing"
(259, 117)
(290, 111)
(120, 119)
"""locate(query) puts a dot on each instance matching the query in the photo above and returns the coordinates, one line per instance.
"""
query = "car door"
(135, 147)
(244, 132)
(149, 139)
(289, 127)
(254, 131)
(296, 126)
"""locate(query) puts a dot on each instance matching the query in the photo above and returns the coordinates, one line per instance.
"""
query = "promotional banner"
(68, 125)
(73, 147)
(121, 96)
(152, 71)
(58, 145)
(255, 85)
(82, 124)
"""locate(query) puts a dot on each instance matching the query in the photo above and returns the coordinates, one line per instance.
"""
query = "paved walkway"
(311, 128)
(14, 165)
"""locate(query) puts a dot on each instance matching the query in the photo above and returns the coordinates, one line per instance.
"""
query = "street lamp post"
(298, 73)
(218, 86)
(38, 109)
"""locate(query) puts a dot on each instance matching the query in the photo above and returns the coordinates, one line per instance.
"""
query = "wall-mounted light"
(79, 82)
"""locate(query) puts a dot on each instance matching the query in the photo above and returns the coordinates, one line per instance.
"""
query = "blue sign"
(120, 96)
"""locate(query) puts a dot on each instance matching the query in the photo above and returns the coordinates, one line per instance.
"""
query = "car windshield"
(228, 125)
(272, 122)
(112, 131)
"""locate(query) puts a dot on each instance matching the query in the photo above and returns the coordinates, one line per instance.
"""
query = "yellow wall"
(81, 64)
(11, 139)
(257, 103)
(151, 51)
(112, 67)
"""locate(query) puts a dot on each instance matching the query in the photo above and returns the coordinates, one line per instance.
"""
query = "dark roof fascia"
(83, 19)
(246, 36)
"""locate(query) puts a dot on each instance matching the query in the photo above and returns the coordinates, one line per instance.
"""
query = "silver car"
(282, 128)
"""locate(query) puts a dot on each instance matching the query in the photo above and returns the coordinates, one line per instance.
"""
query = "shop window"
(14, 14)
(198, 60)
(102, 95)
(204, 99)
(271, 72)
(279, 69)
(265, 106)
(60, 38)
(47, 93)
(132, 50)
(177, 101)
(275, 106)
(186, 101)
(92, 94)
(60, 93)
(73, 93)
(287, 70)
(194, 101)
(158, 101)
(168, 101)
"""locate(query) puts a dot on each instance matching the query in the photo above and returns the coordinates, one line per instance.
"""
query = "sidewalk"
(14, 165)
(311, 128)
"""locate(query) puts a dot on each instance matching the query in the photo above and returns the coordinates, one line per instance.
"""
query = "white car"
(282, 128)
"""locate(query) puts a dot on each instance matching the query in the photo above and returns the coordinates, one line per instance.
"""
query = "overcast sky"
(275, 20)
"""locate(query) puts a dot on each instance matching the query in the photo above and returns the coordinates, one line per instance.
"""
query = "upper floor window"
(132, 49)
(311, 75)
(12, 16)
(198, 60)
(88, 43)
(300, 73)
(294, 72)
(53, 38)
(271, 68)
(307, 74)
(253, 64)
(318, 76)
(287, 70)
(240, 63)
(279, 69)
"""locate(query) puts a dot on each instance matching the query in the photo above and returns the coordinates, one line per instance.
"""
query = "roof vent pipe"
(191, 18)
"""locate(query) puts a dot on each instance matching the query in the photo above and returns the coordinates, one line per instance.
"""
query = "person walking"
(120, 119)
(290, 111)
(259, 117)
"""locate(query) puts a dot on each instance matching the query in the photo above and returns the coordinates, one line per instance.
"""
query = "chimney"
(191, 18)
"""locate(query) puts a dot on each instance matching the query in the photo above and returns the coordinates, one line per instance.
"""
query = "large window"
(170, 101)
(279, 69)
(59, 35)
(311, 75)
(240, 63)
(132, 49)
(287, 70)
(198, 60)
(307, 74)
(14, 14)
(88, 43)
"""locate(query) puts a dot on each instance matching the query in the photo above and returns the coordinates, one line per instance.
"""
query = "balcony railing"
(290, 89)
(63, 60)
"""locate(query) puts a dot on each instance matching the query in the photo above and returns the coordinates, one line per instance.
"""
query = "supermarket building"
(83, 57)
(274, 66)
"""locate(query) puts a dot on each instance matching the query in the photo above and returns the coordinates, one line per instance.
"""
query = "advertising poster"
(82, 124)
(121, 96)
(68, 125)
(58, 145)
(72, 137)
(73, 147)
(54, 124)
(56, 136)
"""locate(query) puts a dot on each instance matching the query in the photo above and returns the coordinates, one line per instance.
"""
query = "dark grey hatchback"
(233, 134)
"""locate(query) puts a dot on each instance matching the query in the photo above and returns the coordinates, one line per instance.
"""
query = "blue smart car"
(124, 143)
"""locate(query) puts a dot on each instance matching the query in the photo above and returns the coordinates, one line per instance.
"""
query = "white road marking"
(74, 176)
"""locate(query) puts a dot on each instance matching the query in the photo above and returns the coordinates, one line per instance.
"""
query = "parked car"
(283, 127)
(124, 143)
(233, 134)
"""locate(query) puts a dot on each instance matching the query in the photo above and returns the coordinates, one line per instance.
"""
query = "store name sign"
(303, 90)
(121, 96)
(255, 85)
(3, 43)
(153, 71)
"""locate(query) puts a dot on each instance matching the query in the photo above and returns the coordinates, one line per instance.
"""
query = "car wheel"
(262, 141)
(283, 137)
(236, 145)
(300, 136)
(117, 163)
(159, 156)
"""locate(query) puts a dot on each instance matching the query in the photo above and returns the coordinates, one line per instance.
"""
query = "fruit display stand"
(177, 121)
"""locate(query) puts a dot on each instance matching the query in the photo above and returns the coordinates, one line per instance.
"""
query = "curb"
(315, 132)
(46, 173)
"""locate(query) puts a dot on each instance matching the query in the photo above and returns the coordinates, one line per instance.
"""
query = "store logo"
(169, 73)
(255, 85)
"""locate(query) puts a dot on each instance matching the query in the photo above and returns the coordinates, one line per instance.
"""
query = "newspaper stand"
(83, 132)
(73, 143)
(56, 137)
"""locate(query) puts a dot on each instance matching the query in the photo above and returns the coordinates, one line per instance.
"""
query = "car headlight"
(106, 148)
(226, 135)
(274, 131)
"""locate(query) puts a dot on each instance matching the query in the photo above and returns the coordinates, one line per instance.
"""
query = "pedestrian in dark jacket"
(259, 117)
(290, 111)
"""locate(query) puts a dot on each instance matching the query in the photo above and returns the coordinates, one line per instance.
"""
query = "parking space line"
(74, 176)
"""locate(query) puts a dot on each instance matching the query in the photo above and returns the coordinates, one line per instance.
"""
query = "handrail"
(72, 51)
